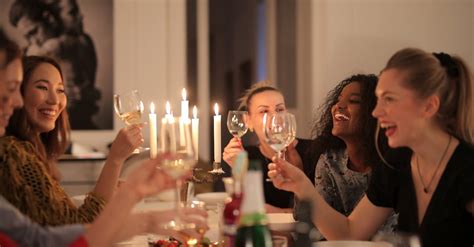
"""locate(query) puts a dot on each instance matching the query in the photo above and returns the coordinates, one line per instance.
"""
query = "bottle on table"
(253, 229)
(232, 208)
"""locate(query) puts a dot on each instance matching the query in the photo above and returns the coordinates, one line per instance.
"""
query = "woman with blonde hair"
(425, 105)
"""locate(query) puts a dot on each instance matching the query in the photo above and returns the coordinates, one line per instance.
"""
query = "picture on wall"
(78, 34)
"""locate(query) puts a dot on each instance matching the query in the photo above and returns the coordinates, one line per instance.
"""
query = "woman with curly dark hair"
(343, 145)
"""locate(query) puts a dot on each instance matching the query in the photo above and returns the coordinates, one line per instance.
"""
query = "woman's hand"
(149, 179)
(126, 141)
(288, 177)
(292, 156)
(231, 150)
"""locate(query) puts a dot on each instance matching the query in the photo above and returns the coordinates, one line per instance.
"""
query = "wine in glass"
(237, 123)
(129, 108)
(177, 145)
(278, 131)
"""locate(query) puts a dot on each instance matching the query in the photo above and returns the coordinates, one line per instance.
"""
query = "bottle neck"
(253, 201)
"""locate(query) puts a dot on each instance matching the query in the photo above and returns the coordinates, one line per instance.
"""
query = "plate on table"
(282, 222)
(350, 243)
(212, 197)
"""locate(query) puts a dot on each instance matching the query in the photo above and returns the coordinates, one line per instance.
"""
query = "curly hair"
(324, 140)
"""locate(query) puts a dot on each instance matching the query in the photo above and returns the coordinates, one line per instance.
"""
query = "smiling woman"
(37, 135)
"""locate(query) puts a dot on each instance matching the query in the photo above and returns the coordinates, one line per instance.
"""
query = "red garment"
(80, 242)
(5, 241)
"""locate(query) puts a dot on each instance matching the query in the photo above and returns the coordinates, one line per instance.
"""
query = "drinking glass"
(129, 108)
(237, 123)
(177, 146)
(292, 127)
(398, 239)
(278, 131)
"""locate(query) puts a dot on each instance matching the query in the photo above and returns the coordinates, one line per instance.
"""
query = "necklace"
(425, 188)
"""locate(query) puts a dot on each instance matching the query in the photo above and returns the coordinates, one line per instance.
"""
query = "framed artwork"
(78, 34)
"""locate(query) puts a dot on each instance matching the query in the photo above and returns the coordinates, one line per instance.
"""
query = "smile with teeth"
(49, 113)
(341, 117)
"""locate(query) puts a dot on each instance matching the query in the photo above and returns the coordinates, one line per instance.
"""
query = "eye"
(354, 101)
(61, 91)
(41, 87)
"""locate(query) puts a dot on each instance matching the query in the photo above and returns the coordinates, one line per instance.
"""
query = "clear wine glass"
(292, 137)
(177, 146)
(237, 123)
(277, 130)
(129, 108)
(397, 239)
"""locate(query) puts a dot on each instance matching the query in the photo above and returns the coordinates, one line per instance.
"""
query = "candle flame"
(152, 108)
(195, 112)
(183, 93)
(168, 107)
(216, 109)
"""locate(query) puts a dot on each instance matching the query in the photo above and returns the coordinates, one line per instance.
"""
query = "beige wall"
(349, 36)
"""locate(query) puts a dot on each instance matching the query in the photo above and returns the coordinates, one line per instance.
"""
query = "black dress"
(273, 196)
(446, 221)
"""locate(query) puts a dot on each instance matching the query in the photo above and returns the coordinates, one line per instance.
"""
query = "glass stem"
(178, 198)
(283, 152)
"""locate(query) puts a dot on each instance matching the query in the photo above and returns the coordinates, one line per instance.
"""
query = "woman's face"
(398, 110)
(261, 103)
(346, 112)
(44, 97)
(10, 96)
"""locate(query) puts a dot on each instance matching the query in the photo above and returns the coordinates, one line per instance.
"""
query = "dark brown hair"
(50, 145)
(324, 140)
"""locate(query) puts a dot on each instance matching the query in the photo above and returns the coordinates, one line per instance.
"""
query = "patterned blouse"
(341, 187)
(27, 185)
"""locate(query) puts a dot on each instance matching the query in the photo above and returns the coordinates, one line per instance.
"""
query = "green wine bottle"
(253, 229)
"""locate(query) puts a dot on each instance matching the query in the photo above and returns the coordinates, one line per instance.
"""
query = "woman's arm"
(126, 141)
(361, 224)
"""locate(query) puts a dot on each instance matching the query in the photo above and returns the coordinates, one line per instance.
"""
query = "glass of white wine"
(292, 127)
(177, 146)
(237, 123)
(129, 108)
(278, 131)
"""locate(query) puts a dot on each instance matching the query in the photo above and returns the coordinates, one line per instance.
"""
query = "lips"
(341, 117)
(48, 113)
(389, 128)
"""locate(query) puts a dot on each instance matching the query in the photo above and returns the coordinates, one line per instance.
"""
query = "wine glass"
(237, 123)
(129, 108)
(292, 137)
(177, 145)
(278, 131)
(397, 239)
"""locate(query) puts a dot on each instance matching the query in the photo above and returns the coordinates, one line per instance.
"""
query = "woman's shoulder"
(8, 143)
(11, 146)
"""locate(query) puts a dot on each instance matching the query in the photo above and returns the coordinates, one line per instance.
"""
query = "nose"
(377, 112)
(53, 97)
(341, 105)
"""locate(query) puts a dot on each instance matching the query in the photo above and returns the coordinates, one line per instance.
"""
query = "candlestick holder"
(216, 168)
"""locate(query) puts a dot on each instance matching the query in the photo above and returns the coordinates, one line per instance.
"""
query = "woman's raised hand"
(126, 141)
(149, 179)
(288, 177)
(231, 150)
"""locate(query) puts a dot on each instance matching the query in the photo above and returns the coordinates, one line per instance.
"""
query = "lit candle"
(184, 106)
(217, 135)
(153, 137)
(195, 132)
(168, 135)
